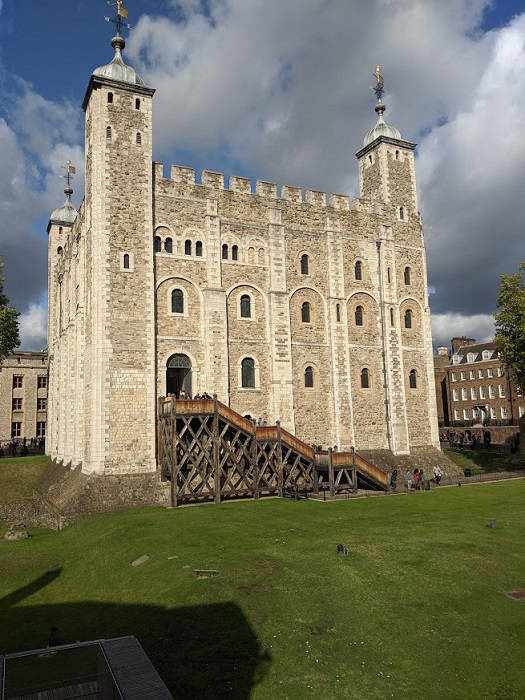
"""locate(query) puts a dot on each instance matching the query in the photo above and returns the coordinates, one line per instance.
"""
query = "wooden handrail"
(233, 417)
(298, 445)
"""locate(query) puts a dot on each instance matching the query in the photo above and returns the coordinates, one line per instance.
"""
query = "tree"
(9, 338)
(510, 324)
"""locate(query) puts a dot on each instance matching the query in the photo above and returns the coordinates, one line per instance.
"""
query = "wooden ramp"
(209, 452)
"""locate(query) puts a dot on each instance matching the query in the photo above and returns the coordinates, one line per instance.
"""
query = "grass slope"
(417, 609)
(482, 461)
(20, 476)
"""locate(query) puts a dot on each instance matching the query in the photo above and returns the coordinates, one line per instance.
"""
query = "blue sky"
(281, 91)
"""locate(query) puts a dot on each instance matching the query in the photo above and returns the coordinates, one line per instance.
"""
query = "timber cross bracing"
(210, 452)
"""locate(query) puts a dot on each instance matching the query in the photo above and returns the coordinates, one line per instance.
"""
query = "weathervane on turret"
(68, 177)
(379, 87)
(121, 15)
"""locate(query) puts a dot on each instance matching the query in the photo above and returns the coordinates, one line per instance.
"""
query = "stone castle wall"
(271, 230)
(140, 235)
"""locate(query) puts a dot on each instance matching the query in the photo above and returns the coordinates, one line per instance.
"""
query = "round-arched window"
(365, 378)
(305, 312)
(157, 244)
(309, 377)
(407, 275)
(168, 245)
(359, 314)
(412, 379)
(358, 270)
(198, 249)
(305, 266)
(246, 306)
(187, 247)
(408, 318)
(248, 373)
(177, 301)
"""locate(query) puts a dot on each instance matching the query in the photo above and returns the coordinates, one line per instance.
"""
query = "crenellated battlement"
(185, 175)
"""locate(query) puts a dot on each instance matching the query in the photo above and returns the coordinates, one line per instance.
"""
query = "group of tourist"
(22, 447)
(465, 438)
(415, 480)
(184, 396)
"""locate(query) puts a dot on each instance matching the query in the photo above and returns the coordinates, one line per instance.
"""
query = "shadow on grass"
(200, 651)
(485, 460)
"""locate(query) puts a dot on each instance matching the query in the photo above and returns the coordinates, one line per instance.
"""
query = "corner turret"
(386, 162)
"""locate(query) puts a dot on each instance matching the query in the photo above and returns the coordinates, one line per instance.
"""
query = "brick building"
(472, 386)
(23, 396)
(290, 305)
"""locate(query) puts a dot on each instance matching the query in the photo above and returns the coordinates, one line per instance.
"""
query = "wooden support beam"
(174, 464)
(331, 472)
(354, 471)
(216, 452)
(280, 466)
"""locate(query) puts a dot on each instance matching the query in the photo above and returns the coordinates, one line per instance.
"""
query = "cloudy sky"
(280, 90)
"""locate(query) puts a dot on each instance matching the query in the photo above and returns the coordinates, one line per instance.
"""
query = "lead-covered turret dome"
(118, 70)
(381, 128)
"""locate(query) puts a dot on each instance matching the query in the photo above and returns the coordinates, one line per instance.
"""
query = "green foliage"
(9, 337)
(417, 610)
(510, 324)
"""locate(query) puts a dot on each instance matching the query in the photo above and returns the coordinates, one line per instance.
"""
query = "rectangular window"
(473, 393)
(42, 382)
(481, 392)
(453, 375)
(17, 404)
(503, 412)
(471, 374)
(16, 430)
(41, 429)
(41, 404)
(480, 373)
(454, 394)
(521, 411)
(491, 391)
(462, 375)
(17, 381)
(465, 414)
(489, 372)
(463, 394)
(501, 391)
(500, 372)
(492, 412)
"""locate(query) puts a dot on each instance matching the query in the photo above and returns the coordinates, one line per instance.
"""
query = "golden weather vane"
(379, 88)
(121, 14)
(70, 171)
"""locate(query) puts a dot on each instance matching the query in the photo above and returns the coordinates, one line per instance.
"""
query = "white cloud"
(449, 325)
(472, 177)
(33, 327)
(284, 90)
(35, 142)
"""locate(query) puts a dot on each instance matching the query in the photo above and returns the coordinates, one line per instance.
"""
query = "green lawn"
(483, 461)
(416, 611)
(20, 476)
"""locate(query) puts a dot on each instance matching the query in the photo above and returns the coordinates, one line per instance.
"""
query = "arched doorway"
(178, 375)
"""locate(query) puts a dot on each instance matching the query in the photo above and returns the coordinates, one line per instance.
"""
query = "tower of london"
(288, 304)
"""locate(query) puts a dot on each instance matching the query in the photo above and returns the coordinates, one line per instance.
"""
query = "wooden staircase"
(209, 452)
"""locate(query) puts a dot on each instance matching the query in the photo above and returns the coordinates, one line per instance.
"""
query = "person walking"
(408, 479)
